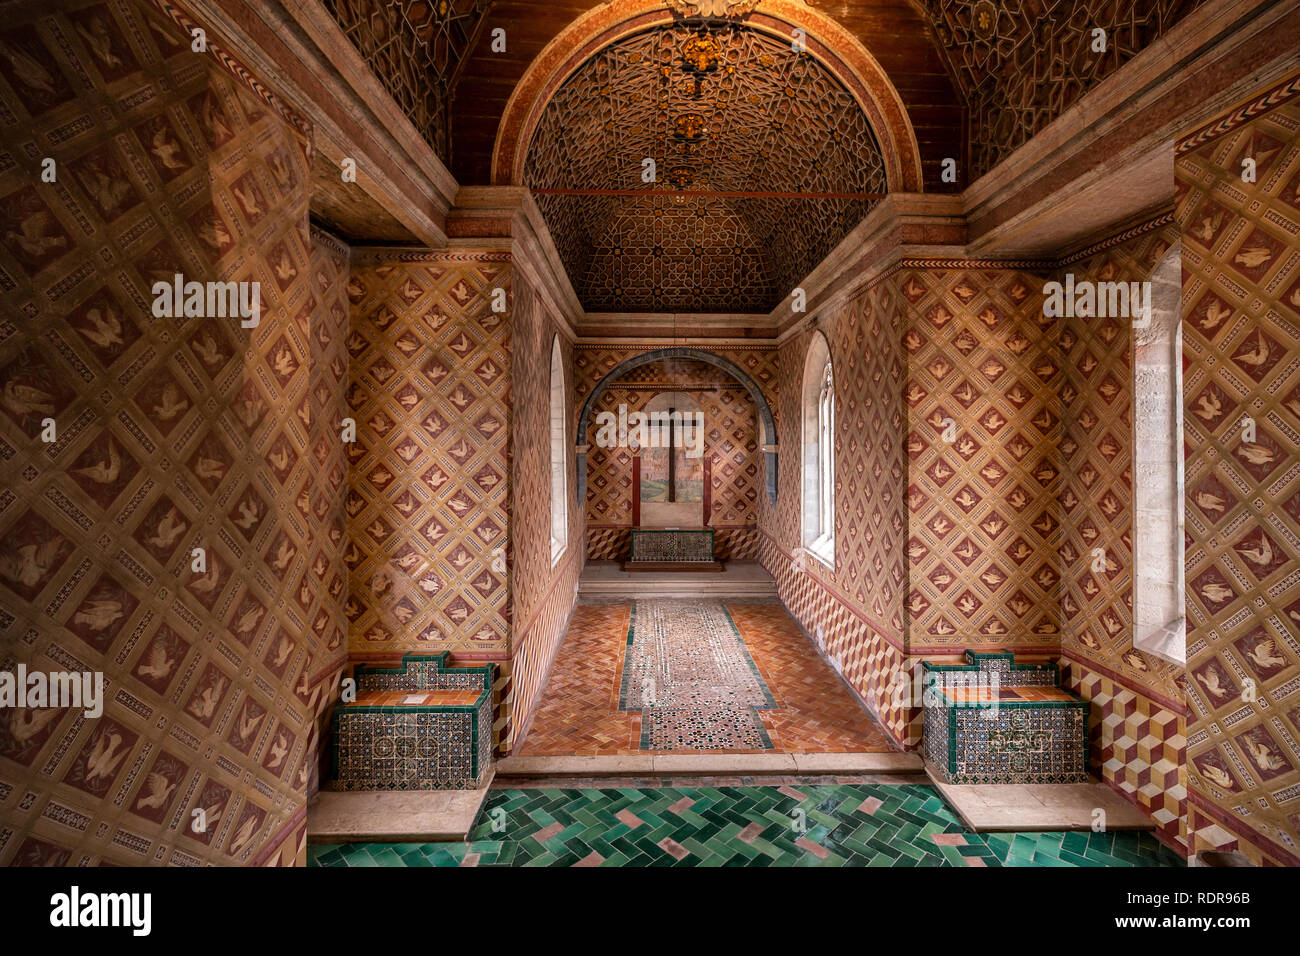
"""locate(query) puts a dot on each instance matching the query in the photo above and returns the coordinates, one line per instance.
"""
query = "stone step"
(707, 764)
(1020, 808)
(683, 586)
(401, 816)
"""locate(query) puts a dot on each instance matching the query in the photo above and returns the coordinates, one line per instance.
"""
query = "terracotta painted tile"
(541, 836)
(673, 848)
(628, 819)
(681, 806)
(578, 711)
(869, 806)
(816, 849)
(750, 833)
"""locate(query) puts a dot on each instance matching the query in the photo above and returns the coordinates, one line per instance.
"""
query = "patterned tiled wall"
(731, 442)
(855, 611)
(428, 486)
(1138, 746)
(983, 527)
(173, 434)
(542, 593)
(993, 522)
(1241, 356)
(1096, 493)
(321, 502)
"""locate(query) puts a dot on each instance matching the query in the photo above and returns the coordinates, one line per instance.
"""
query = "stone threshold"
(394, 816)
(706, 764)
(1020, 808)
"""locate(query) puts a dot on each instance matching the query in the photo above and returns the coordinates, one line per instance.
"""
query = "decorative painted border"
(1119, 238)
(1267, 846)
(329, 241)
(368, 255)
(1262, 103)
(236, 68)
(1178, 707)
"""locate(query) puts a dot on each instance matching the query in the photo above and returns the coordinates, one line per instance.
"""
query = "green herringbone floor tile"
(575, 824)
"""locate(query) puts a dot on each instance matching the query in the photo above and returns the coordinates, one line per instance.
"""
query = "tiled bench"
(420, 726)
(992, 720)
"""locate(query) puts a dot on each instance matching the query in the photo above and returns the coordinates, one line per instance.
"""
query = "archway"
(769, 446)
(825, 39)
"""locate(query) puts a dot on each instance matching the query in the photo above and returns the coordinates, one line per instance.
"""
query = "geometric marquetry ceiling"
(769, 120)
(415, 48)
(1019, 64)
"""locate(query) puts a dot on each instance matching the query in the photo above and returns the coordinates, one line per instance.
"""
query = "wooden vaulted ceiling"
(894, 31)
(761, 155)
(977, 78)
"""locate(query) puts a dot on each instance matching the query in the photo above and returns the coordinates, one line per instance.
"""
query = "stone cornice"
(297, 49)
(1116, 142)
(507, 217)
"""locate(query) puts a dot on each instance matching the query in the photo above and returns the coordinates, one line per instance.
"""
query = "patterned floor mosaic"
(746, 677)
(791, 825)
(688, 671)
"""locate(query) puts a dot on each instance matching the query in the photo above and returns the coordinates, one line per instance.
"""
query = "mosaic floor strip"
(688, 671)
(796, 824)
(811, 710)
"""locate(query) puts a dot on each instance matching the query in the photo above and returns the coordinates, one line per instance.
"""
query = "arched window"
(559, 476)
(1159, 624)
(818, 453)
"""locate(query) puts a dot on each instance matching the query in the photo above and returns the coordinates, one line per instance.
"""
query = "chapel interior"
(579, 418)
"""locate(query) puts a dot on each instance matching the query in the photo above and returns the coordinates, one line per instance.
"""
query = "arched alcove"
(768, 422)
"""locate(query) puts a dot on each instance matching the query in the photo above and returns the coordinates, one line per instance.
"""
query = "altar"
(672, 549)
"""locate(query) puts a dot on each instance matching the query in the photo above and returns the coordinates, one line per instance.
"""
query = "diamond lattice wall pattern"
(172, 434)
(1241, 354)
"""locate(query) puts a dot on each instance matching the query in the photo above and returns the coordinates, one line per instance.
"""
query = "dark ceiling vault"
(894, 31)
(978, 79)
(1019, 64)
(768, 120)
(993, 73)
(416, 48)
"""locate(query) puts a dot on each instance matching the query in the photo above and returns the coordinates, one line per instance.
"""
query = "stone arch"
(681, 352)
(834, 47)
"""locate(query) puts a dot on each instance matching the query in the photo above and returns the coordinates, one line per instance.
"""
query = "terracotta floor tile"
(578, 712)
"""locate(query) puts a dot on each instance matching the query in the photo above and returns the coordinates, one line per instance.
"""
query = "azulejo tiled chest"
(992, 720)
(420, 726)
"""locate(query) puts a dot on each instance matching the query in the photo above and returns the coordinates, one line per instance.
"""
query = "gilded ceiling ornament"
(679, 177)
(711, 9)
(984, 19)
(701, 54)
(689, 128)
